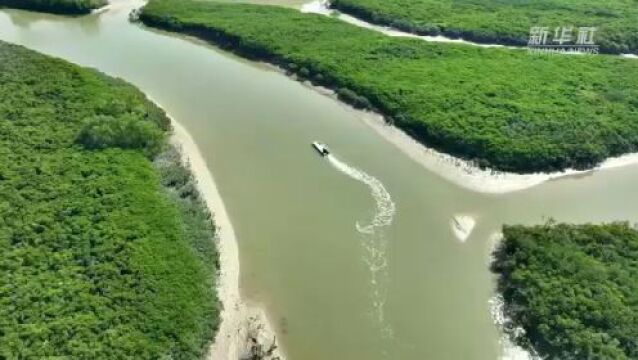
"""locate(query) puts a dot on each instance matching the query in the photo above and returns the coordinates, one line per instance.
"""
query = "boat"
(321, 148)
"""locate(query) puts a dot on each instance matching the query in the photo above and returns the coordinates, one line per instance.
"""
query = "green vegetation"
(505, 109)
(504, 22)
(105, 253)
(70, 7)
(572, 288)
(125, 132)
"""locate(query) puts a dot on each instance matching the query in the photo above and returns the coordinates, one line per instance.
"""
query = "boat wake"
(374, 241)
(385, 206)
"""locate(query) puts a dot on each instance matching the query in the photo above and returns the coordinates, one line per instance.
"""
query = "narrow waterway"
(322, 7)
(354, 256)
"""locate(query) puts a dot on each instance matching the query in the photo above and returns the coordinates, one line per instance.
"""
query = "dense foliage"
(104, 254)
(572, 288)
(125, 132)
(505, 22)
(71, 7)
(505, 109)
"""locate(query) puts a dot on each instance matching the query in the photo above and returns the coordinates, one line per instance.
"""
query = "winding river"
(356, 256)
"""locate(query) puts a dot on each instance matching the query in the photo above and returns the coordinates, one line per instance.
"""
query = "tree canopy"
(505, 22)
(106, 249)
(504, 109)
(572, 288)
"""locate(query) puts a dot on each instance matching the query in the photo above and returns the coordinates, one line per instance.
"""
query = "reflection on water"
(88, 24)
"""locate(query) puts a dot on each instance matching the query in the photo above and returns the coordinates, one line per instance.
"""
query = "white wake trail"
(374, 242)
(385, 206)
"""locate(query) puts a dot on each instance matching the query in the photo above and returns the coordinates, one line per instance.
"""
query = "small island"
(572, 289)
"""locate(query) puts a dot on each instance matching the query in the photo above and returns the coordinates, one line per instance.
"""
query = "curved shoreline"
(465, 174)
(239, 322)
(461, 172)
(323, 7)
(458, 171)
(241, 325)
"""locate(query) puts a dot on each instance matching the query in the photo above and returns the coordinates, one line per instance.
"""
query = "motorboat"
(321, 148)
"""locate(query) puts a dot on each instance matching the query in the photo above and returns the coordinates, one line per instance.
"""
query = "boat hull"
(322, 149)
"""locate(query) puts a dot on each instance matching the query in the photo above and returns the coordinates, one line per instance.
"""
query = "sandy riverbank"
(242, 326)
(461, 172)
(465, 174)
(453, 169)
(458, 171)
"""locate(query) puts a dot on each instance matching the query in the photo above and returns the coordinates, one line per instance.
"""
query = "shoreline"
(462, 173)
(496, 306)
(242, 325)
(240, 322)
(466, 175)
(322, 7)
(453, 169)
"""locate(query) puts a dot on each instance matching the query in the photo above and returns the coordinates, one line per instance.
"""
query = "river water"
(353, 256)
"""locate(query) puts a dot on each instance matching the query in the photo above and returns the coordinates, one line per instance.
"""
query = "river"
(354, 256)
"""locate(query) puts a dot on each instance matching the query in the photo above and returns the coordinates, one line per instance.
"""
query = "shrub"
(353, 99)
(126, 132)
